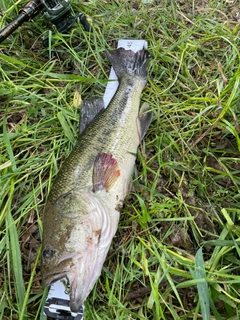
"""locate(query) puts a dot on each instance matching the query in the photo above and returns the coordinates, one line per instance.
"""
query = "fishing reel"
(58, 12)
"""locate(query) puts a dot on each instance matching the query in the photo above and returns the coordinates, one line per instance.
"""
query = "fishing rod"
(58, 12)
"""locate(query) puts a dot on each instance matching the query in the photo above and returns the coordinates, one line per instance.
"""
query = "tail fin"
(127, 62)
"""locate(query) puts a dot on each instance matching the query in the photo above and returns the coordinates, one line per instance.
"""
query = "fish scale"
(82, 212)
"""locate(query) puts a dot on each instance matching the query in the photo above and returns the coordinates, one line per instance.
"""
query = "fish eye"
(48, 253)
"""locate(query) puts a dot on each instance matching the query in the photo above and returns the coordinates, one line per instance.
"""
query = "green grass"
(176, 252)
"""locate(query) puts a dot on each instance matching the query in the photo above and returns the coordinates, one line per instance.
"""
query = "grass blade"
(202, 285)
(16, 261)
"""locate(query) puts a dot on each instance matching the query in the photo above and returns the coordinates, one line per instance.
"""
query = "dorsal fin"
(90, 109)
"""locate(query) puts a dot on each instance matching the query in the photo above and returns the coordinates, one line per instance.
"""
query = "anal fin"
(145, 118)
(105, 172)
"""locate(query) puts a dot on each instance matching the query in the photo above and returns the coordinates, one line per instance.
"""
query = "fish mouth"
(50, 278)
(52, 272)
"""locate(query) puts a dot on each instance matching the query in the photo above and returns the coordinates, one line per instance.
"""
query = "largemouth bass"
(82, 211)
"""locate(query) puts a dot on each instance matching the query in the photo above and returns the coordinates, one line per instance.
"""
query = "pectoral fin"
(89, 111)
(105, 172)
(145, 118)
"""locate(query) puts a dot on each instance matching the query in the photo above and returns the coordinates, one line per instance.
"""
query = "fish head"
(77, 235)
(56, 260)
